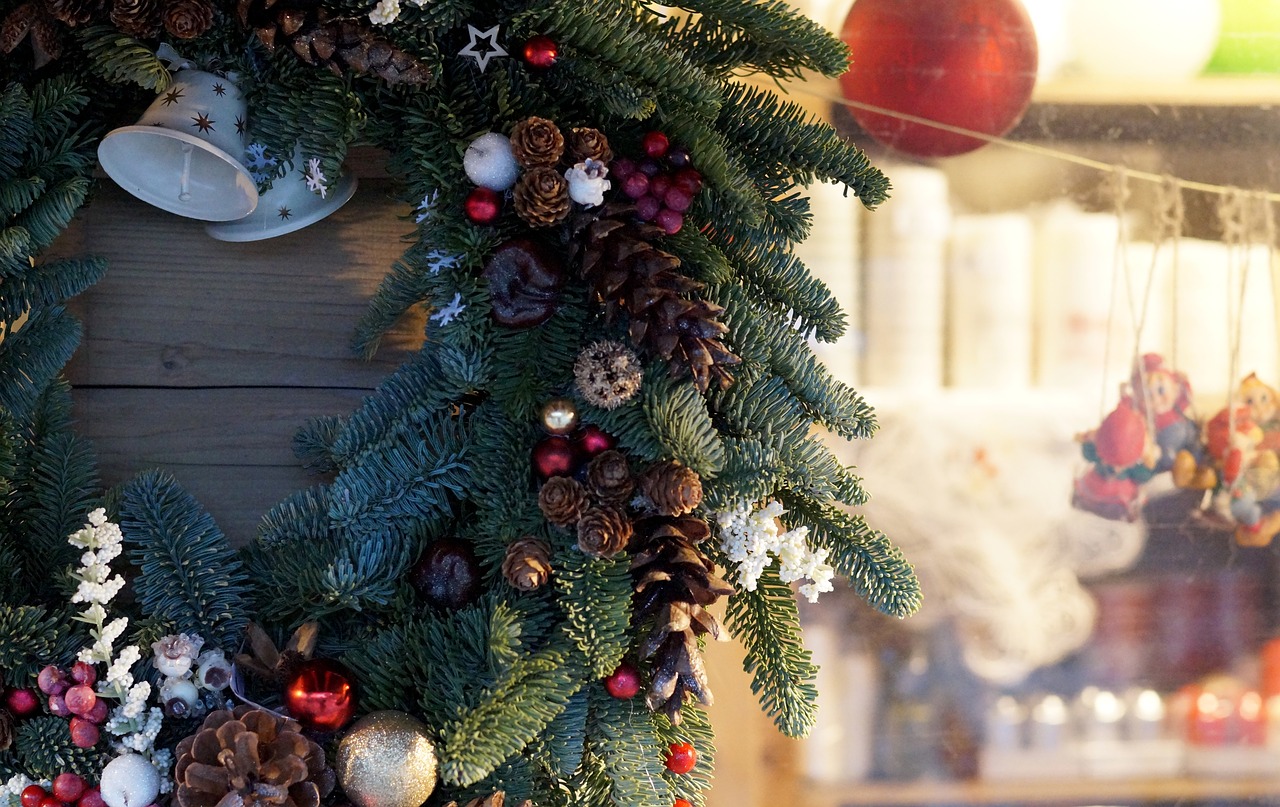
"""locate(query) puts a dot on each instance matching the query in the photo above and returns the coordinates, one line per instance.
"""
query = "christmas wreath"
(607, 430)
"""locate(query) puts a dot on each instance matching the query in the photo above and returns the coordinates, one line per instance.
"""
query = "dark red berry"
(647, 207)
(52, 681)
(678, 156)
(80, 699)
(98, 714)
(624, 682)
(689, 181)
(68, 787)
(22, 702)
(83, 673)
(659, 185)
(669, 220)
(91, 798)
(83, 733)
(58, 706)
(655, 145)
(50, 801)
(650, 168)
(622, 168)
(32, 795)
(677, 200)
(635, 185)
(681, 757)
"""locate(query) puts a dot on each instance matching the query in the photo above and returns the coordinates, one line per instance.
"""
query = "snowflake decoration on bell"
(258, 163)
(449, 312)
(317, 182)
(752, 538)
(608, 374)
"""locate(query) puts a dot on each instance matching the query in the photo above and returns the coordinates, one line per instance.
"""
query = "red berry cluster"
(73, 696)
(68, 789)
(564, 455)
(663, 184)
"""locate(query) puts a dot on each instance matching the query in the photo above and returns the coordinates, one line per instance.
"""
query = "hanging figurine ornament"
(483, 46)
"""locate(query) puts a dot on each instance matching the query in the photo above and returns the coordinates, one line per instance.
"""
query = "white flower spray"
(751, 538)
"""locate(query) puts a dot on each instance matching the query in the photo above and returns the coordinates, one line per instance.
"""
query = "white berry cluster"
(387, 11)
(752, 538)
(12, 789)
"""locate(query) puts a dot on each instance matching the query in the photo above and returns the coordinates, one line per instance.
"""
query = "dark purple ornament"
(524, 283)
(447, 575)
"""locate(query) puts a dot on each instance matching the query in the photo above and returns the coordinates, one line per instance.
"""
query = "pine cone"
(603, 532)
(74, 12)
(524, 283)
(494, 799)
(32, 20)
(249, 757)
(137, 18)
(628, 274)
(337, 43)
(8, 725)
(562, 500)
(527, 564)
(674, 581)
(674, 489)
(608, 374)
(271, 664)
(541, 197)
(609, 478)
(188, 19)
(589, 144)
(537, 142)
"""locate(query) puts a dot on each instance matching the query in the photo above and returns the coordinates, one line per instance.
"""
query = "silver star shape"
(490, 50)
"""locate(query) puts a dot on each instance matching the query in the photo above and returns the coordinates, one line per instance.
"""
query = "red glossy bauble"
(483, 206)
(681, 803)
(624, 682)
(321, 695)
(681, 757)
(554, 456)
(967, 63)
(541, 52)
(593, 440)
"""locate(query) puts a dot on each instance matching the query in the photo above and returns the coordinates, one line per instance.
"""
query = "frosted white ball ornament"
(129, 780)
(490, 163)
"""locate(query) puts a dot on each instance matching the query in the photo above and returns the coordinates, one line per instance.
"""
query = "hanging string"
(1018, 145)
(1119, 187)
(1232, 212)
(1273, 269)
(1168, 205)
(1170, 218)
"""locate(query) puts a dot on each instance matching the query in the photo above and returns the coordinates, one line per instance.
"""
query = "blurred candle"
(1049, 723)
(1146, 715)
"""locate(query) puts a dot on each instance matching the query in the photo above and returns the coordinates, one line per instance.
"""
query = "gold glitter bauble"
(559, 416)
(387, 759)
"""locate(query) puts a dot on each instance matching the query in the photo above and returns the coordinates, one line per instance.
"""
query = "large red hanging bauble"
(966, 63)
(321, 695)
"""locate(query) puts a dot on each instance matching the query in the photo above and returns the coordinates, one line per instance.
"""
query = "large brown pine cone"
(562, 500)
(138, 18)
(609, 478)
(249, 757)
(188, 19)
(673, 488)
(536, 142)
(541, 197)
(603, 532)
(589, 144)
(494, 799)
(527, 564)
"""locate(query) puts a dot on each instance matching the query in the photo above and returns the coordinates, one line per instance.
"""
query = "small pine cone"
(673, 488)
(537, 142)
(609, 478)
(562, 500)
(603, 532)
(527, 564)
(188, 19)
(608, 374)
(541, 197)
(7, 728)
(138, 18)
(589, 144)
(74, 12)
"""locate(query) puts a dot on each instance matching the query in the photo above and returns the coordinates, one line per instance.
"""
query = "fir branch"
(773, 276)
(44, 747)
(302, 516)
(695, 728)
(876, 569)
(679, 420)
(502, 479)
(58, 487)
(313, 443)
(767, 623)
(121, 59)
(16, 128)
(595, 595)
(31, 356)
(622, 736)
(564, 741)
(769, 36)
(46, 217)
(190, 576)
(531, 365)
(751, 472)
(27, 643)
(49, 283)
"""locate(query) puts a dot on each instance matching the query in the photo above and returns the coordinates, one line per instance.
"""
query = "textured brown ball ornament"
(536, 142)
(447, 575)
(673, 488)
(608, 374)
(188, 19)
(589, 144)
(562, 501)
(527, 564)
(603, 532)
(609, 478)
(524, 283)
(541, 197)
(387, 759)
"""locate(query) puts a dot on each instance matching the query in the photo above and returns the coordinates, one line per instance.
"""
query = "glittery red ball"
(554, 456)
(541, 52)
(22, 702)
(681, 757)
(321, 695)
(483, 206)
(624, 682)
(593, 440)
(967, 63)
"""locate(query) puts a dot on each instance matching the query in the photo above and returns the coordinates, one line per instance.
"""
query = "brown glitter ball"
(673, 488)
(609, 478)
(562, 500)
(188, 19)
(608, 374)
(541, 197)
(589, 144)
(537, 142)
(527, 564)
(603, 532)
